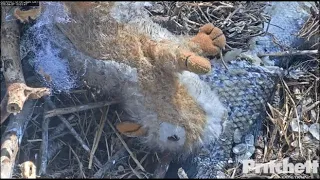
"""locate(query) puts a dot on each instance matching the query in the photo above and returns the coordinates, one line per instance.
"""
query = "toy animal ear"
(24, 16)
(131, 129)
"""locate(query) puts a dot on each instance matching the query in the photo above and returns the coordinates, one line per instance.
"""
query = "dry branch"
(290, 53)
(17, 91)
(98, 135)
(4, 113)
(68, 110)
(11, 139)
(44, 145)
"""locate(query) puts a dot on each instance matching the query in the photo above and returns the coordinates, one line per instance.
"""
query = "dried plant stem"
(44, 145)
(290, 53)
(110, 163)
(68, 110)
(224, 63)
(163, 166)
(74, 133)
(82, 174)
(98, 135)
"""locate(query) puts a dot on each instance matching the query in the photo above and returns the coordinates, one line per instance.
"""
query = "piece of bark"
(4, 113)
(17, 91)
(11, 139)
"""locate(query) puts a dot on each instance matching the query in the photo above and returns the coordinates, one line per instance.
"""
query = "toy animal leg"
(174, 58)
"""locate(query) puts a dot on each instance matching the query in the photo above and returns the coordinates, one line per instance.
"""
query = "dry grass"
(310, 29)
(239, 20)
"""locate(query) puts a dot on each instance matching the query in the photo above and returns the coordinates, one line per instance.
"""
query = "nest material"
(310, 30)
(239, 20)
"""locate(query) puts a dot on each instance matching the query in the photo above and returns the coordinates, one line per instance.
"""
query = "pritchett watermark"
(283, 167)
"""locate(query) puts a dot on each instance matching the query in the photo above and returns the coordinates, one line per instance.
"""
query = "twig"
(74, 133)
(81, 175)
(307, 109)
(224, 64)
(44, 145)
(163, 166)
(4, 113)
(125, 145)
(287, 90)
(11, 139)
(108, 165)
(98, 135)
(68, 110)
(290, 53)
(53, 149)
(230, 15)
(134, 171)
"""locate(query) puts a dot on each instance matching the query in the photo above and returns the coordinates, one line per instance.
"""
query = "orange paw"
(131, 129)
(194, 63)
(210, 39)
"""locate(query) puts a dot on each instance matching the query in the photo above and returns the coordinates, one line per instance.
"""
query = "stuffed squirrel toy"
(166, 104)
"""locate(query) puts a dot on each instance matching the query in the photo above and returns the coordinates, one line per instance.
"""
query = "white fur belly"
(209, 101)
(134, 14)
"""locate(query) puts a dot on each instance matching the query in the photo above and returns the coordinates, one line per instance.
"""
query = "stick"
(163, 166)
(230, 15)
(290, 53)
(74, 133)
(4, 113)
(68, 110)
(98, 135)
(44, 145)
(18, 92)
(224, 64)
(11, 139)
(110, 163)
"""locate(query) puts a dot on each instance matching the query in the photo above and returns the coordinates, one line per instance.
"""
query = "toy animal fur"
(166, 103)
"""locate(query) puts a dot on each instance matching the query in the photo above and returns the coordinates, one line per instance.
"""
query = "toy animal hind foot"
(210, 39)
(208, 42)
